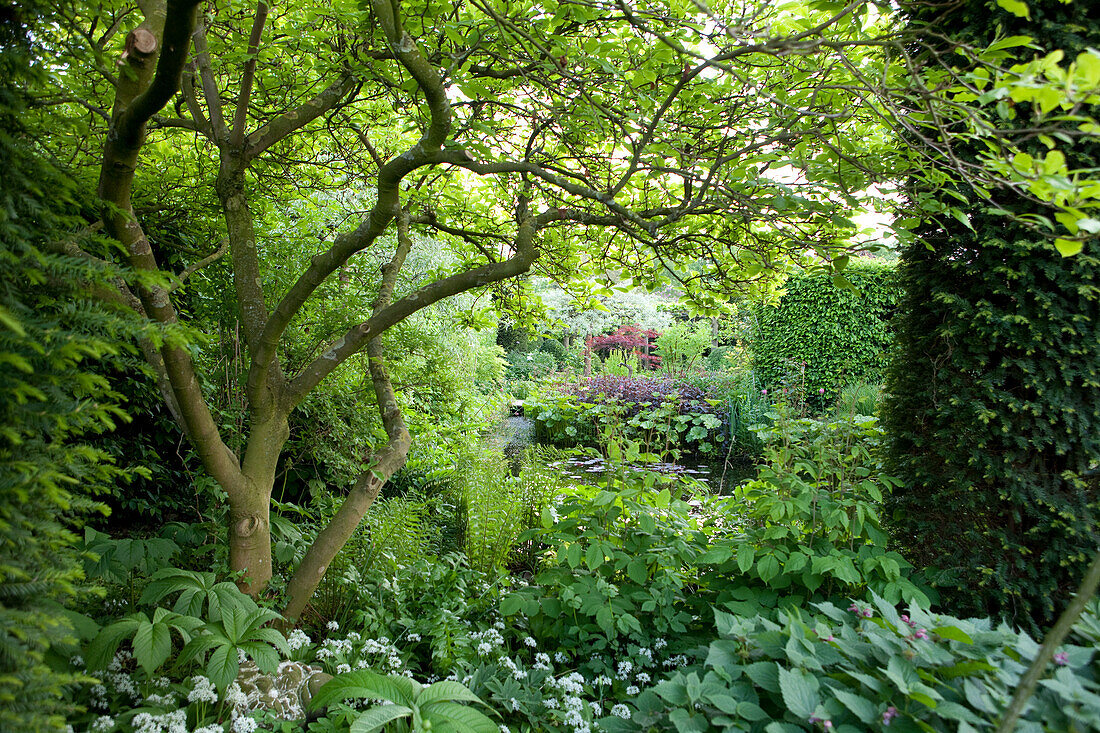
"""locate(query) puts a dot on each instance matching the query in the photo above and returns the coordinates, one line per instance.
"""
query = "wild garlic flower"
(102, 724)
(530, 641)
(298, 639)
(621, 711)
(244, 724)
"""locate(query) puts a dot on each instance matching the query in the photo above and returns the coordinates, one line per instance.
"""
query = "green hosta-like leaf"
(446, 690)
(460, 718)
(376, 718)
(364, 684)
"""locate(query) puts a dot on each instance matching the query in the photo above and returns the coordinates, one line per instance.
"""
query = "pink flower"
(889, 715)
(1061, 659)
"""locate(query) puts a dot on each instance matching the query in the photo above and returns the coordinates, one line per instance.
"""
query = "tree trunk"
(250, 506)
(385, 462)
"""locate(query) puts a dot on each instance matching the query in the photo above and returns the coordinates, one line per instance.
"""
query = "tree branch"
(240, 118)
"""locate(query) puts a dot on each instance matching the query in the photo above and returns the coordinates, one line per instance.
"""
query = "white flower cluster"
(212, 728)
(173, 722)
(624, 669)
(488, 640)
(167, 700)
(517, 673)
(542, 662)
(621, 711)
(332, 626)
(298, 639)
(244, 724)
(102, 724)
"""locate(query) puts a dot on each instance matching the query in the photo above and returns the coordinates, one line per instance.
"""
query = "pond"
(516, 433)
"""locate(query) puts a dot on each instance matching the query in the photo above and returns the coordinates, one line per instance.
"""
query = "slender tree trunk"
(250, 506)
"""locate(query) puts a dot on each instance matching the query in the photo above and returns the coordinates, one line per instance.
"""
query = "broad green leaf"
(376, 718)
(152, 645)
(799, 691)
(446, 690)
(1069, 247)
(461, 718)
(222, 667)
(745, 556)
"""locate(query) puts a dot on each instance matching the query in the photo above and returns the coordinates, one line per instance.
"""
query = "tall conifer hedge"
(993, 401)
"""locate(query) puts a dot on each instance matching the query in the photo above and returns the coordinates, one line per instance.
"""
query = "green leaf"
(902, 673)
(863, 708)
(444, 691)
(461, 718)
(152, 645)
(593, 557)
(1069, 247)
(745, 556)
(376, 718)
(954, 633)
(1016, 7)
(361, 684)
(222, 667)
(799, 691)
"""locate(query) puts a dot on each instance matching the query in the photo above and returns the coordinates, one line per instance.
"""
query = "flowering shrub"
(870, 668)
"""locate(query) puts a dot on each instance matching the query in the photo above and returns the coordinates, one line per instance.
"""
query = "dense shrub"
(662, 413)
(821, 337)
(992, 402)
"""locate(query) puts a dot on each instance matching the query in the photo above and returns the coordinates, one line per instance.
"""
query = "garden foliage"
(52, 401)
(662, 413)
(869, 668)
(821, 336)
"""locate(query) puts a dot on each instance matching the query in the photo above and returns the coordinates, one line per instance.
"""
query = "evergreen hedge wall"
(840, 335)
(993, 403)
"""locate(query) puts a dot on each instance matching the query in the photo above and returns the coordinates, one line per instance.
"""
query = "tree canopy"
(709, 146)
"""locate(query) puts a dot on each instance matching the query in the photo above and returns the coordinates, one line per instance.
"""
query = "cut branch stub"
(140, 45)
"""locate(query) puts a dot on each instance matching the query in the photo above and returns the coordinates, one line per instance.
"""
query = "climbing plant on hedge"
(841, 335)
(992, 403)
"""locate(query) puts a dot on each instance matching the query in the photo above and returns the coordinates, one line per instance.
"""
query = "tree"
(658, 140)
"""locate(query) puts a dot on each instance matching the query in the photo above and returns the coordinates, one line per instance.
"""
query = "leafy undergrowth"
(643, 605)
